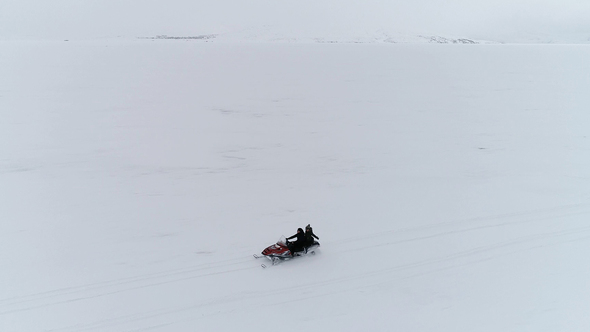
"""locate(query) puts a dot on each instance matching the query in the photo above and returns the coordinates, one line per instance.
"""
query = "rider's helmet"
(299, 230)
(307, 228)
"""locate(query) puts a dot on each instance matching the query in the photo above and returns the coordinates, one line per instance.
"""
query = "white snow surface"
(449, 186)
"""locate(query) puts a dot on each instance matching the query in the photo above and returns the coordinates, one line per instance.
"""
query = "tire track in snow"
(322, 288)
(95, 290)
(471, 224)
(90, 291)
(474, 256)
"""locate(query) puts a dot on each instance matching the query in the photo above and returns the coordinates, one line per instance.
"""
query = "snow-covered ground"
(449, 186)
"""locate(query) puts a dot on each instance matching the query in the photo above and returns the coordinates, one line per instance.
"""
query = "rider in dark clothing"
(309, 235)
(299, 243)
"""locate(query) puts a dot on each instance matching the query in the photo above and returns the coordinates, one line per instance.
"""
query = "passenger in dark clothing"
(309, 236)
(299, 243)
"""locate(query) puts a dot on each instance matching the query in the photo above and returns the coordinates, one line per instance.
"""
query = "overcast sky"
(134, 18)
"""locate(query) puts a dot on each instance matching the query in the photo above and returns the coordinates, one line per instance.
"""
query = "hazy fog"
(494, 20)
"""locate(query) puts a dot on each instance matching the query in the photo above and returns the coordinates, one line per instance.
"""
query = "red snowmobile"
(280, 251)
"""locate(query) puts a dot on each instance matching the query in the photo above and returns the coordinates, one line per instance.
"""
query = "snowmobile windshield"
(282, 240)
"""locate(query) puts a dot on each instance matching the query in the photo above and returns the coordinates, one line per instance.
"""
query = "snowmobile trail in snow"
(106, 288)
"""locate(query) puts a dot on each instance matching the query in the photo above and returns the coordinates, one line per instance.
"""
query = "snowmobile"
(280, 251)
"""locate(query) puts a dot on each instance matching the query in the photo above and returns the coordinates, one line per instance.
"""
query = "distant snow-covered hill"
(275, 34)
(269, 34)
